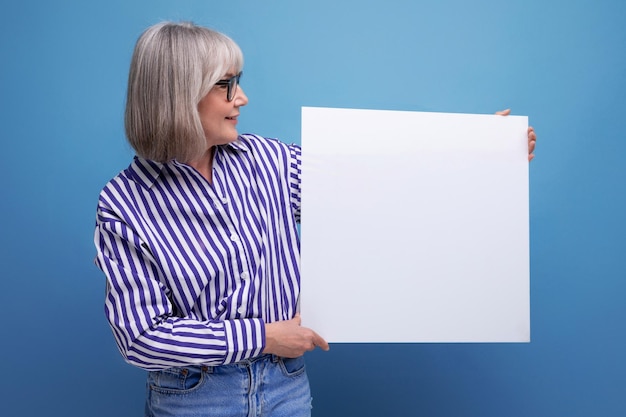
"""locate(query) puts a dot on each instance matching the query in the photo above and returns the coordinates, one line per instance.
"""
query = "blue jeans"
(265, 386)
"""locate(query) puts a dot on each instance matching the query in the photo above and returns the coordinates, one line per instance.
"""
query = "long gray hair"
(174, 65)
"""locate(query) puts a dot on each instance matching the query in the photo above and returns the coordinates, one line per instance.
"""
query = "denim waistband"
(205, 368)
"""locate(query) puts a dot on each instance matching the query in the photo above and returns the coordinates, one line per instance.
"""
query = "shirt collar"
(239, 144)
(146, 172)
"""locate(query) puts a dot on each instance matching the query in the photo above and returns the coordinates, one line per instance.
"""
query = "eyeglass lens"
(232, 86)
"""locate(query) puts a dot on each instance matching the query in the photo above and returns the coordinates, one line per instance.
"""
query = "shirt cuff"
(245, 338)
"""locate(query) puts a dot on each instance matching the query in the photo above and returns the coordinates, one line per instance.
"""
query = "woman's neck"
(204, 164)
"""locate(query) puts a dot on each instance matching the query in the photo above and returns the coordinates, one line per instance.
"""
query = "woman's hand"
(532, 137)
(288, 339)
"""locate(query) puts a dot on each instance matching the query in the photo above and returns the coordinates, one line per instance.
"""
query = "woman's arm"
(144, 320)
(295, 175)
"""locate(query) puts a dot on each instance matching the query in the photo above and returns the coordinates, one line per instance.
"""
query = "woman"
(198, 239)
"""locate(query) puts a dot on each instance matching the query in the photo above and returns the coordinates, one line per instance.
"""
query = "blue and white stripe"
(194, 270)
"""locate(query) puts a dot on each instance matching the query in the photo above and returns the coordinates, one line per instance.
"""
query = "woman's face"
(219, 116)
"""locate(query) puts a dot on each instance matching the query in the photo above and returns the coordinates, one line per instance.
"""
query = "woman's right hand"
(288, 339)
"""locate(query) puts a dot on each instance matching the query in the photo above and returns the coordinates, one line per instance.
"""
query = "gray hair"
(174, 65)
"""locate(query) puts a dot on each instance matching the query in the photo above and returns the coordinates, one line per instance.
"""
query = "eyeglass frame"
(232, 83)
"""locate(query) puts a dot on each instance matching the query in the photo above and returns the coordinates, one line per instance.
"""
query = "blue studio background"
(563, 63)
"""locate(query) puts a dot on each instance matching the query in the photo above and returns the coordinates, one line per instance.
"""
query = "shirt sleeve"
(295, 177)
(148, 332)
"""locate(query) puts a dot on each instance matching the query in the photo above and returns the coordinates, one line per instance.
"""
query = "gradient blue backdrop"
(63, 67)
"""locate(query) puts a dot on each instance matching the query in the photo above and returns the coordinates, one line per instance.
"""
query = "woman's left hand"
(532, 137)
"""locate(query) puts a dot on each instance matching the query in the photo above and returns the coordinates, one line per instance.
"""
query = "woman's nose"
(240, 97)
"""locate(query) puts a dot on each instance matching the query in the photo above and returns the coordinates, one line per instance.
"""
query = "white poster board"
(415, 226)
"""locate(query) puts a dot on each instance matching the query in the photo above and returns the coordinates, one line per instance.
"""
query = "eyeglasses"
(232, 84)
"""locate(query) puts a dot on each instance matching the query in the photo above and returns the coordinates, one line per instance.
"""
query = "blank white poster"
(415, 226)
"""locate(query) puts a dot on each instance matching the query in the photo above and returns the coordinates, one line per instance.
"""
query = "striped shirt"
(194, 269)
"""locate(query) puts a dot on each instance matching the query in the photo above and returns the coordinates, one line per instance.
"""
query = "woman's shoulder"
(142, 172)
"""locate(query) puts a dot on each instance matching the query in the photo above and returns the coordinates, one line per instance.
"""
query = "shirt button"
(224, 200)
(241, 310)
(234, 238)
(245, 275)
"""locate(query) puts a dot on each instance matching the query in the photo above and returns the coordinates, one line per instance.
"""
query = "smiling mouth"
(232, 118)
